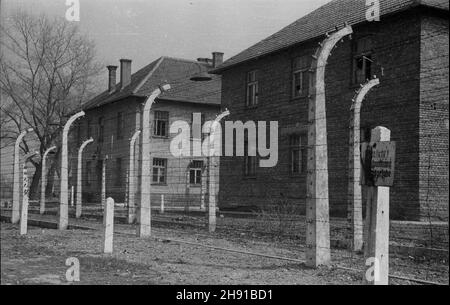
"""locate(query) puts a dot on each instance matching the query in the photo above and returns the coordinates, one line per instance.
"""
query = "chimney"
(125, 72)
(217, 59)
(111, 78)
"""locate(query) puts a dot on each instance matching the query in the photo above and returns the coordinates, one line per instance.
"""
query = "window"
(299, 153)
(88, 173)
(362, 60)
(249, 162)
(159, 171)
(300, 76)
(119, 125)
(195, 173)
(252, 89)
(101, 129)
(161, 123)
(196, 119)
(118, 175)
(79, 135)
(89, 128)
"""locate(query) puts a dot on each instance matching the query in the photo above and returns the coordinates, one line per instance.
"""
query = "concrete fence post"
(25, 194)
(162, 204)
(79, 197)
(317, 204)
(132, 179)
(43, 179)
(215, 131)
(24, 210)
(144, 227)
(64, 193)
(72, 196)
(354, 209)
(108, 223)
(377, 222)
(15, 214)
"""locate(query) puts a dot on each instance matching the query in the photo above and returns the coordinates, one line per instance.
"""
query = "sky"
(144, 30)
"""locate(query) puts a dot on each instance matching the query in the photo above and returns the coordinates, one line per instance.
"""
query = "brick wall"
(433, 170)
(393, 104)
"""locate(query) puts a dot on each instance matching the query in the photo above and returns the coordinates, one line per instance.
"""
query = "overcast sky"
(143, 30)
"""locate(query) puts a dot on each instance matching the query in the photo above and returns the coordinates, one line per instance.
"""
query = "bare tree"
(47, 70)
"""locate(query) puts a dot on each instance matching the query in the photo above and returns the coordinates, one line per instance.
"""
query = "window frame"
(88, 173)
(159, 167)
(118, 175)
(300, 146)
(157, 119)
(198, 172)
(250, 163)
(252, 82)
(304, 73)
(366, 55)
(101, 129)
(120, 123)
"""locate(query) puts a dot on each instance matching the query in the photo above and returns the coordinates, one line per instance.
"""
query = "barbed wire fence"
(263, 207)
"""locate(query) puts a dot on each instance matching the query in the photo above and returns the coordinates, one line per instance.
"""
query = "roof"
(323, 20)
(166, 70)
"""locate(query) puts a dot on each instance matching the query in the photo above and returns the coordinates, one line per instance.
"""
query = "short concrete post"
(377, 222)
(108, 222)
(64, 193)
(162, 204)
(132, 179)
(24, 210)
(78, 207)
(72, 196)
(44, 180)
(144, 228)
(15, 214)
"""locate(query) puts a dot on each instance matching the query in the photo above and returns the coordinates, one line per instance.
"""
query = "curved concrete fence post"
(354, 208)
(64, 193)
(79, 199)
(132, 179)
(15, 214)
(144, 227)
(317, 205)
(212, 170)
(44, 179)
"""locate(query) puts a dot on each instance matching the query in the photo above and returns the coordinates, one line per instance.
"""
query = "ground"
(40, 256)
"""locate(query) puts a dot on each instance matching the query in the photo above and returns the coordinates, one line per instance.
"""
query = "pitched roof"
(166, 70)
(320, 21)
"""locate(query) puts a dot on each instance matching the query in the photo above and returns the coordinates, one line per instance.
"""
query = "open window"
(362, 60)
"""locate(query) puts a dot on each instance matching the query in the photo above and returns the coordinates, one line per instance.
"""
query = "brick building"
(113, 117)
(407, 50)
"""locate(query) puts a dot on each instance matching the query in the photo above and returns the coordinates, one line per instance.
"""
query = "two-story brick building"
(407, 50)
(115, 115)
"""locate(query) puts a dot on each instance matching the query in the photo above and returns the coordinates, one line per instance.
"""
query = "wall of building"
(393, 104)
(433, 170)
(175, 190)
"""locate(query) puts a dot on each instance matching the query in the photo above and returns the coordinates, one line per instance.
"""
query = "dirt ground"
(40, 256)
